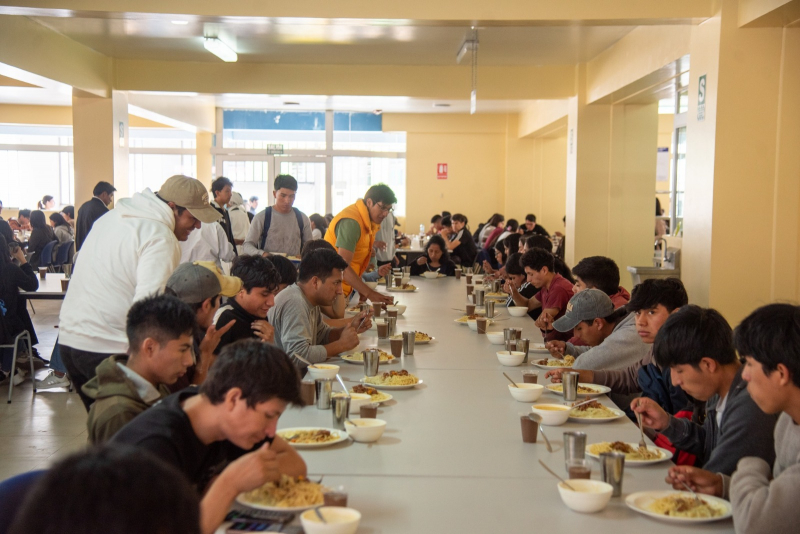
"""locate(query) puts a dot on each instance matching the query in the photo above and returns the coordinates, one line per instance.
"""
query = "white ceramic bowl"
(357, 400)
(517, 311)
(510, 359)
(371, 285)
(551, 414)
(323, 370)
(339, 520)
(406, 279)
(591, 495)
(430, 274)
(526, 392)
(495, 338)
(365, 430)
(401, 308)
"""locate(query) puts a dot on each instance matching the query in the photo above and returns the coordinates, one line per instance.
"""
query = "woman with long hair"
(41, 235)
(318, 225)
(436, 258)
(461, 244)
(15, 317)
(494, 221)
(46, 203)
(64, 233)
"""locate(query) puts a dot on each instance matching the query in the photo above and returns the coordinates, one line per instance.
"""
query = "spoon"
(509, 379)
(319, 514)
(339, 378)
(308, 363)
(558, 477)
(538, 419)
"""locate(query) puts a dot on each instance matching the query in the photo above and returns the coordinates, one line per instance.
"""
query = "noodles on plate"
(288, 492)
(681, 505)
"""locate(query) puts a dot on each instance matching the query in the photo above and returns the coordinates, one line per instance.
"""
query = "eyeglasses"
(384, 208)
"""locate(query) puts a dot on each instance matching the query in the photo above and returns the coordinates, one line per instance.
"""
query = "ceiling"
(303, 41)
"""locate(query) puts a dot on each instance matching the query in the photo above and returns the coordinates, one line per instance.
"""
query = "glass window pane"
(310, 178)
(683, 102)
(245, 171)
(29, 175)
(352, 177)
(161, 138)
(372, 141)
(152, 170)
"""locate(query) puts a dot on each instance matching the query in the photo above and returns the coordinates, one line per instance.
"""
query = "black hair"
(514, 265)
(58, 219)
(161, 317)
(460, 217)
(447, 221)
(255, 271)
(123, 490)
(284, 181)
(512, 242)
(285, 268)
(500, 246)
(253, 198)
(530, 217)
(5, 257)
(320, 263)
(512, 225)
(771, 335)
(315, 244)
(668, 292)
(538, 258)
(37, 219)
(598, 272)
(24, 213)
(438, 240)
(446, 214)
(219, 184)
(539, 241)
(436, 218)
(103, 187)
(495, 219)
(380, 193)
(691, 334)
(70, 211)
(43, 203)
(329, 217)
(262, 371)
(319, 221)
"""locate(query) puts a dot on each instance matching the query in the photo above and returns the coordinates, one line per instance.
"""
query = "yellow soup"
(551, 408)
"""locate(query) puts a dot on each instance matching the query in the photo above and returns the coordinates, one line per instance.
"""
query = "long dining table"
(452, 457)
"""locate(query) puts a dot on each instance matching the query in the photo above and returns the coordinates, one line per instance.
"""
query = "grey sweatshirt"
(620, 350)
(744, 430)
(761, 505)
(283, 235)
(299, 328)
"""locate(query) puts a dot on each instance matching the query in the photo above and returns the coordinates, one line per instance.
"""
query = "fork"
(642, 444)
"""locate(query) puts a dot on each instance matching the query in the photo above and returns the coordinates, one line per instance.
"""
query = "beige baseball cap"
(189, 193)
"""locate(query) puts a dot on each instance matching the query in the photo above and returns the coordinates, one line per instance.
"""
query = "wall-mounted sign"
(274, 149)
(441, 171)
(701, 98)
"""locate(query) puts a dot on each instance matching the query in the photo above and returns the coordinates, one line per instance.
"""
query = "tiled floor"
(37, 430)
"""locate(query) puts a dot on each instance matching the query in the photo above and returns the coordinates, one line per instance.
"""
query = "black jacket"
(87, 215)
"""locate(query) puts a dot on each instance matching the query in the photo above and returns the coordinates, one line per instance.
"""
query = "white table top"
(452, 458)
(49, 288)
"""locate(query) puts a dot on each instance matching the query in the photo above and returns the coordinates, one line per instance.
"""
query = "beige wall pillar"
(547, 199)
(98, 125)
(742, 195)
(204, 158)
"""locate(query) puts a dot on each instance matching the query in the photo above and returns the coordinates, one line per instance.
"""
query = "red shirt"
(556, 296)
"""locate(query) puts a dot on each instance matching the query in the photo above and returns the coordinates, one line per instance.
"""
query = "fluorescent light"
(473, 102)
(180, 22)
(220, 49)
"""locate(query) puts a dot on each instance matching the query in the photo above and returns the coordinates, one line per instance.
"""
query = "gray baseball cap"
(587, 305)
(200, 280)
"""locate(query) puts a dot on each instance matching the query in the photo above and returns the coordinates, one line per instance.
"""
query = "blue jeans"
(55, 360)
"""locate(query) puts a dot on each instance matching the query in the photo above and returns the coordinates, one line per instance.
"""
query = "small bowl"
(406, 279)
(526, 392)
(430, 274)
(323, 370)
(517, 311)
(371, 285)
(339, 520)
(495, 338)
(365, 430)
(401, 308)
(510, 359)
(592, 495)
(551, 414)
(357, 400)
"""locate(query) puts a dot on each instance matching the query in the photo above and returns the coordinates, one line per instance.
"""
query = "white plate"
(376, 386)
(548, 367)
(416, 342)
(596, 420)
(538, 348)
(391, 360)
(296, 509)
(387, 399)
(401, 290)
(665, 455)
(640, 501)
(599, 390)
(290, 431)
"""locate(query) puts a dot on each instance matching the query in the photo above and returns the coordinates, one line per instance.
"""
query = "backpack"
(268, 222)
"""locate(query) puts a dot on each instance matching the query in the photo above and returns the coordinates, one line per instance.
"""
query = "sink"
(660, 269)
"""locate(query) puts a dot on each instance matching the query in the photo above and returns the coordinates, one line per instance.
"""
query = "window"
(353, 176)
(157, 153)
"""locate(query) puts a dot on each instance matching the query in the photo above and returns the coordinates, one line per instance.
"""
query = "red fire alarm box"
(441, 171)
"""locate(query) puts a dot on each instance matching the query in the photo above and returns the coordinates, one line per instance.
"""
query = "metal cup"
(479, 296)
(392, 324)
(490, 309)
(612, 466)
(574, 446)
(522, 346)
(511, 345)
(508, 334)
(495, 286)
(407, 270)
(569, 379)
(341, 407)
(324, 387)
(409, 338)
(67, 268)
(388, 279)
(372, 360)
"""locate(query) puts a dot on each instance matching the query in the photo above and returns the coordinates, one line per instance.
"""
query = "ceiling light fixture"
(220, 49)
(180, 22)
(440, 105)
(470, 45)
(291, 103)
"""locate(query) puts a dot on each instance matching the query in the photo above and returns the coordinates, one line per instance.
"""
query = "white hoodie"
(129, 254)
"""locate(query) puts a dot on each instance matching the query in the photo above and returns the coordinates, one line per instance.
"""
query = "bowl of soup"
(323, 370)
(551, 414)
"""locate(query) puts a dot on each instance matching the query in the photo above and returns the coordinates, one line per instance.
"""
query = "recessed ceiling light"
(441, 105)
(220, 49)
(180, 22)
(291, 103)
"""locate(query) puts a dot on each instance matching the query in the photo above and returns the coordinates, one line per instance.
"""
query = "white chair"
(24, 335)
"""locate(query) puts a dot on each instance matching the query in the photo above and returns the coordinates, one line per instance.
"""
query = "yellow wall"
(547, 198)
(56, 116)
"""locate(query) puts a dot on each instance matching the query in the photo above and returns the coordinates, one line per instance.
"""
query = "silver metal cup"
(511, 345)
(324, 387)
(508, 334)
(522, 346)
(495, 286)
(341, 407)
(67, 267)
(409, 338)
(574, 446)
(518, 333)
(490, 309)
(569, 379)
(612, 466)
(392, 325)
(372, 360)
(407, 270)
(480, 295)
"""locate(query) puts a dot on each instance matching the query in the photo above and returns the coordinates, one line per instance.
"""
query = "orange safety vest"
(363, 253)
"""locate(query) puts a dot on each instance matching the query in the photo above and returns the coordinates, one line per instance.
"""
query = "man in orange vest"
(353, 231)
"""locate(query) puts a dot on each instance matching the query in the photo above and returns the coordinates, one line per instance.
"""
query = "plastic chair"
(46, 259)
(62, 254)
(24, 335)
(12, 494)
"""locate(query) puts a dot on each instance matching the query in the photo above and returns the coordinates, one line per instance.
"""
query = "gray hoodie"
(621, 349)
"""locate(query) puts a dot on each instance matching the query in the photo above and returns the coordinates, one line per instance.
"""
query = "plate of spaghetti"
(376, 396)
(420, 338)
(392, 380)
(555, 363)
(357, 358)
(594, 412)
(679, 506)
(308, 437)
(633, 455)
(289, 494)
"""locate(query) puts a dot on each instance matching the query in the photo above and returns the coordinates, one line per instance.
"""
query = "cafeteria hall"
(213, 213)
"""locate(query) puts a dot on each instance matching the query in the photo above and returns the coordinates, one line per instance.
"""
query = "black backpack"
(268, 222)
